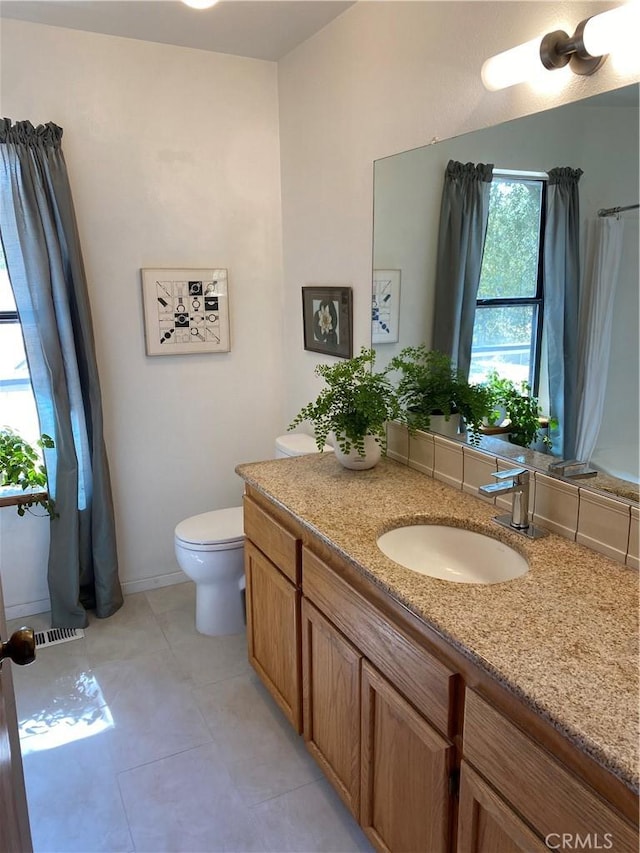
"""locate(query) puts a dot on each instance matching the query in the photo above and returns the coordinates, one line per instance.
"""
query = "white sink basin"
(452, 554)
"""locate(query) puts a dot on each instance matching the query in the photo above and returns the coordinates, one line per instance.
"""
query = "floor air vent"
(53, 636)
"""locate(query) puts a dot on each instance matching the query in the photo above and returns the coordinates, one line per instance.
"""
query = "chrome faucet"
(515, 481)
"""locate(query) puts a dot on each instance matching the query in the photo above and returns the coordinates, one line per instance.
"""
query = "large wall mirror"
(599, 135)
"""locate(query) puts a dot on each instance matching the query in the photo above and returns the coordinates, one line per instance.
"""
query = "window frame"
(536, 301)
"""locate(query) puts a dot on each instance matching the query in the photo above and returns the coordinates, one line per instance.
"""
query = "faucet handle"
(560, 465)
(519, 475)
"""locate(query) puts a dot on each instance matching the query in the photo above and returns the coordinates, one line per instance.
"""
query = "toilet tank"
(297, 444)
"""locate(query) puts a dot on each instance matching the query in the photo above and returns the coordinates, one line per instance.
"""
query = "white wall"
(173, 157)
(382, 78)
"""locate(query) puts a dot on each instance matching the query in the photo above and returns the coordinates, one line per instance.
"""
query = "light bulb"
(612, 30)
(200, 4)
(512, 66)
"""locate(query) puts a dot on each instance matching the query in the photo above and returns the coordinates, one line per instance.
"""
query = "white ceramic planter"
(439, 424)
(356, 462)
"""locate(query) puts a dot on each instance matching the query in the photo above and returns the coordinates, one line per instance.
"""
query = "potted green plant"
(432, 388)
(520, 409)
(21, 466)
(354, 407)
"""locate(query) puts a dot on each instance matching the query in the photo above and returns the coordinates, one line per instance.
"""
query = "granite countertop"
(564, 637)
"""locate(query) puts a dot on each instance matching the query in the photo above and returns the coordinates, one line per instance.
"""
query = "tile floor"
(147, 736)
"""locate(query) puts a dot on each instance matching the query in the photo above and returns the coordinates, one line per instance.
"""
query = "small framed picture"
(185, 311)
(385, 308)
(328, 320)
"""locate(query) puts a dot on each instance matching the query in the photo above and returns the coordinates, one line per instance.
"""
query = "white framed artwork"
(385, 308)
(185, 311)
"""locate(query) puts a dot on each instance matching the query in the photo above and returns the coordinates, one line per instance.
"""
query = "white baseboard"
(129, 587)
(17, 611)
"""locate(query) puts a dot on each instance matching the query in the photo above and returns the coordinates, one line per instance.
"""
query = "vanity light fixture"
(200, 4)
(585, 51)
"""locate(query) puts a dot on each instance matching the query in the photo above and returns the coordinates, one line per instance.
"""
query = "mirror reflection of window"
(507, 330)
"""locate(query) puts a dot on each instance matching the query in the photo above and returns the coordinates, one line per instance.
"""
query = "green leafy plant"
(21, 466)
(520, 407)
(430, 385)
(356, 402)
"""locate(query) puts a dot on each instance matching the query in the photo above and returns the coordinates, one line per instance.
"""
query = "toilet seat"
(218, 530)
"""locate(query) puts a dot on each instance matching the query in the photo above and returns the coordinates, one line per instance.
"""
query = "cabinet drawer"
(280, 546)
(548, 797)
(420, 677)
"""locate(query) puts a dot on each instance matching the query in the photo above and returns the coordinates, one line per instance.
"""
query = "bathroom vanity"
(447, 716)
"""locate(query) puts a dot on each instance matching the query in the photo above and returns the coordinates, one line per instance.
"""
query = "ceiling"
(262, 29)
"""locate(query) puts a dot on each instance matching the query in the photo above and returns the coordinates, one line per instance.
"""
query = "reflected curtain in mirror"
(464, 213)
(561, 287)
(46, 270)
(599, 282)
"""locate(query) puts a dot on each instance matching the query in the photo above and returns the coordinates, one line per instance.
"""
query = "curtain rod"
(611, 211)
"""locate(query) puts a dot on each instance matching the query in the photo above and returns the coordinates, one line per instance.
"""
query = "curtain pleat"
(561, 285)
(464, 213)
(44, 260)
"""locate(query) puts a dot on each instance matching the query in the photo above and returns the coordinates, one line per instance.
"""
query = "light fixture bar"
(585, 51)
(558, 49)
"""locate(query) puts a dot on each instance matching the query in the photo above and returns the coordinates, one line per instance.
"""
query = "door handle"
(20, 647)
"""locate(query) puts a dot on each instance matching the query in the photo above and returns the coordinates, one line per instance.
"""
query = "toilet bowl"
(209, 549)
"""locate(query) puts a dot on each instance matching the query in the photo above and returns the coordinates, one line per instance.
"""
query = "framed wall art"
(385, 308)
(185, 311)
(328, 320)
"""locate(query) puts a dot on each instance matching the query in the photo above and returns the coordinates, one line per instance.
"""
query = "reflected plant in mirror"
(408, 192)
(515, 408)
(431, 387)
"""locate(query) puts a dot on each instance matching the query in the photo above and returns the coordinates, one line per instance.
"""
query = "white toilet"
(210, 550)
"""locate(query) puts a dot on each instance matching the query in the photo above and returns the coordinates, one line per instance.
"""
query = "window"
(508, 323)
(17, 404)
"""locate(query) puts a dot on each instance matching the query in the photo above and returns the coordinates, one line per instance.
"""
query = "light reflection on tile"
(82, 713)
(153, 708)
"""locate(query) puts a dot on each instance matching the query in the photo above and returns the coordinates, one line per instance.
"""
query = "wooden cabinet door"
(273, 632)
(486, 824)
(405, 773)
(331, 703)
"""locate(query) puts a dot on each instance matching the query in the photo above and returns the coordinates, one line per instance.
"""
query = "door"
(486, 824)
(15, 835)
(273, 632)
(405, 772)
(331, 703)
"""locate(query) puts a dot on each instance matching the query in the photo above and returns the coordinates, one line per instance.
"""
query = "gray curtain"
(42, 249)
(561, 283)
(464, 213)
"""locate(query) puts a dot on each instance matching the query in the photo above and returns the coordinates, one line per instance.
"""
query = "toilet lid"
(216, 527)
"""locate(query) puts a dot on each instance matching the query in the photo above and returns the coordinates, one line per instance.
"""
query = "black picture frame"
(327, 317)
